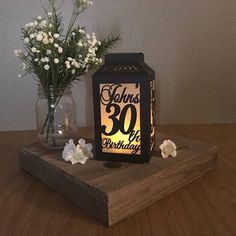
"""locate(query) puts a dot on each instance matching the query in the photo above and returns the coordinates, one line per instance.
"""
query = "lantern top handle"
(124, 58)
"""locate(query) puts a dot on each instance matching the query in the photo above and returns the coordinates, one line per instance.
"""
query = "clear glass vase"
(56, 116)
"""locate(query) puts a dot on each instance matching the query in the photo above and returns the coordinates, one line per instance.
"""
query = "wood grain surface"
(113, 194)
(204, 207)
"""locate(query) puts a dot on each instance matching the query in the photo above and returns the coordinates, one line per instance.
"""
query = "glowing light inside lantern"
(120, 118)
(152, 113)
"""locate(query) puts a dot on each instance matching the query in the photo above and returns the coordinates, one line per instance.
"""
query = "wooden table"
(204, 207)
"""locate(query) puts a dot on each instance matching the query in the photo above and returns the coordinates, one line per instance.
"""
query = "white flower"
(36, 59)
(23, 66)
(33, 49)
(49, 13)
(39, 37)
(56, 36)
(26, 40)
(18, 53)
(81, 31)
(56, 45)
(68, 66)
(77, 154)
(31, 24)
(60, 50)
(80, 44)
(73, 62)
(45, 41)
(168, 148)
(48, 52)
(69, 59)
(73, 72)
(35, 23)
(46, 59)
(73, 33)
(43, 23)
(46, 67)
(50, 25)
(32, 36)
(77, 65)
(88, 36)
(43, 60)
(39, 17)
(56, 60)
(51, 40)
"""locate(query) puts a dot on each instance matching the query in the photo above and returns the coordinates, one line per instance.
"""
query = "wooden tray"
(112, 191)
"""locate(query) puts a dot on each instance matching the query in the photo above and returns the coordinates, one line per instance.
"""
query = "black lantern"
(124, 108)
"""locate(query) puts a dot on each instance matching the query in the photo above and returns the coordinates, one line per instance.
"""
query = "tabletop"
(205, 207)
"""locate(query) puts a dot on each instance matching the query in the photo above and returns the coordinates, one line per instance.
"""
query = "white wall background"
(191, 44)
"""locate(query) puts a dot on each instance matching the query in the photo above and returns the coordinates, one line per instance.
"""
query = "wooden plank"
(112, 194)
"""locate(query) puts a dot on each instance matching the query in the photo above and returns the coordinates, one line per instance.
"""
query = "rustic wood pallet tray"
(112, 191)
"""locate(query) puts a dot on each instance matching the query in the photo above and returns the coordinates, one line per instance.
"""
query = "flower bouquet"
(57, 58)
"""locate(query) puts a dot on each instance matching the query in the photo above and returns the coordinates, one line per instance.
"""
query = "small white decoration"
(56, 60)
(168, 148)
(60, 50)
(46, 67)
(79, 153)
(56, 36)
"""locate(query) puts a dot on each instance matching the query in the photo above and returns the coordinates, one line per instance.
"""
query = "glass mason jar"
(56, 116)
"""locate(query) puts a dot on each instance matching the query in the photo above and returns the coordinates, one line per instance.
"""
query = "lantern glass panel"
(120, 118)
(152, 113)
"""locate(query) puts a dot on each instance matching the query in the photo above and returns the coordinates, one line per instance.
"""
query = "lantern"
(124, 108)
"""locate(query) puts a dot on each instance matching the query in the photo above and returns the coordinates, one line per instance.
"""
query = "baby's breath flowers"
(58, 58)
(47, 47)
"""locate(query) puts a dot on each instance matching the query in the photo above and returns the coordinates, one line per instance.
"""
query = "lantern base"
(123, 157)
(112, 191)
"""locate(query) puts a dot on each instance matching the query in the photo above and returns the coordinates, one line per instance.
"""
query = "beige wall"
(191, 44)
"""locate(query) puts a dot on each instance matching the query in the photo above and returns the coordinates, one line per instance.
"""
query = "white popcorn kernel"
(77, 154)
(168, 148)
